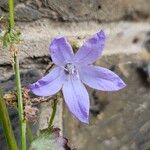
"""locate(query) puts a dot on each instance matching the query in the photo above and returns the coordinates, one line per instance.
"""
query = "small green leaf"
(50, 141)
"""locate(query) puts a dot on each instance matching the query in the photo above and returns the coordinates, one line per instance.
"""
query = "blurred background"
(118, 120)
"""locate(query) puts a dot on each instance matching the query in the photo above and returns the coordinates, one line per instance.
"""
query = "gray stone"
(146, 146)
(36, 36)
(25, 13)
(101, 10)
(4, 4)
(97, 10)
(124, 117)
(145, 128)
(1, 12)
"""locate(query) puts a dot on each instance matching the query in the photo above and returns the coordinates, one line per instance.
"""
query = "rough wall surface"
(118, 121)
(75, 10)
(36, 37)
(122, 118)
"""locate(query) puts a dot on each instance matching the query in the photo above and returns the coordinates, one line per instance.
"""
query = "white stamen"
(70, 69)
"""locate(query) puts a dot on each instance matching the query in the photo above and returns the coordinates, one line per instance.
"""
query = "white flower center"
(70, 69)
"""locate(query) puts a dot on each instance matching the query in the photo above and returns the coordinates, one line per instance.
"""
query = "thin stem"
(18, 81)
(20, 104)
(4, 116)
(54, 108)
(11, 14)
(29, 133)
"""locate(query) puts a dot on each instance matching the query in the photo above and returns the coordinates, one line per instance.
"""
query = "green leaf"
(50, 141)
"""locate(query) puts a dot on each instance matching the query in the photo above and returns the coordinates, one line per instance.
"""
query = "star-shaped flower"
(72, 71)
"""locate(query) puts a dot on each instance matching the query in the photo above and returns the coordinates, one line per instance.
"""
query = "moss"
(75, 45)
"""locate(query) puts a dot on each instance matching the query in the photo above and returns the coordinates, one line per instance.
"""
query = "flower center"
(70, 69)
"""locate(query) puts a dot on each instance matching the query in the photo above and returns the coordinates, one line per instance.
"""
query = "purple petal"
(91, 49)
(61, 51)
(50, 84)
(77, 99)
(101, 78)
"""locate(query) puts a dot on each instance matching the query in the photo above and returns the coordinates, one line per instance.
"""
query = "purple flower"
(72, 70)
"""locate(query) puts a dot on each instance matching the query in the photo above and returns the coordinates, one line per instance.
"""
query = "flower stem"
(4, 117)
(11, 14)
(20, 104)
(18, 81)
(54, 108)
(29, 133)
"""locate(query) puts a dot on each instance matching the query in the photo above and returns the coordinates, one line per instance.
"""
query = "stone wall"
(118, 121)
(75, 10)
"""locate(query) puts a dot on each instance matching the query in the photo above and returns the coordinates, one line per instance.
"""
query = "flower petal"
(101, 78)
(91, 49)
(61, 51)
(50, 84)
(77, 99)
